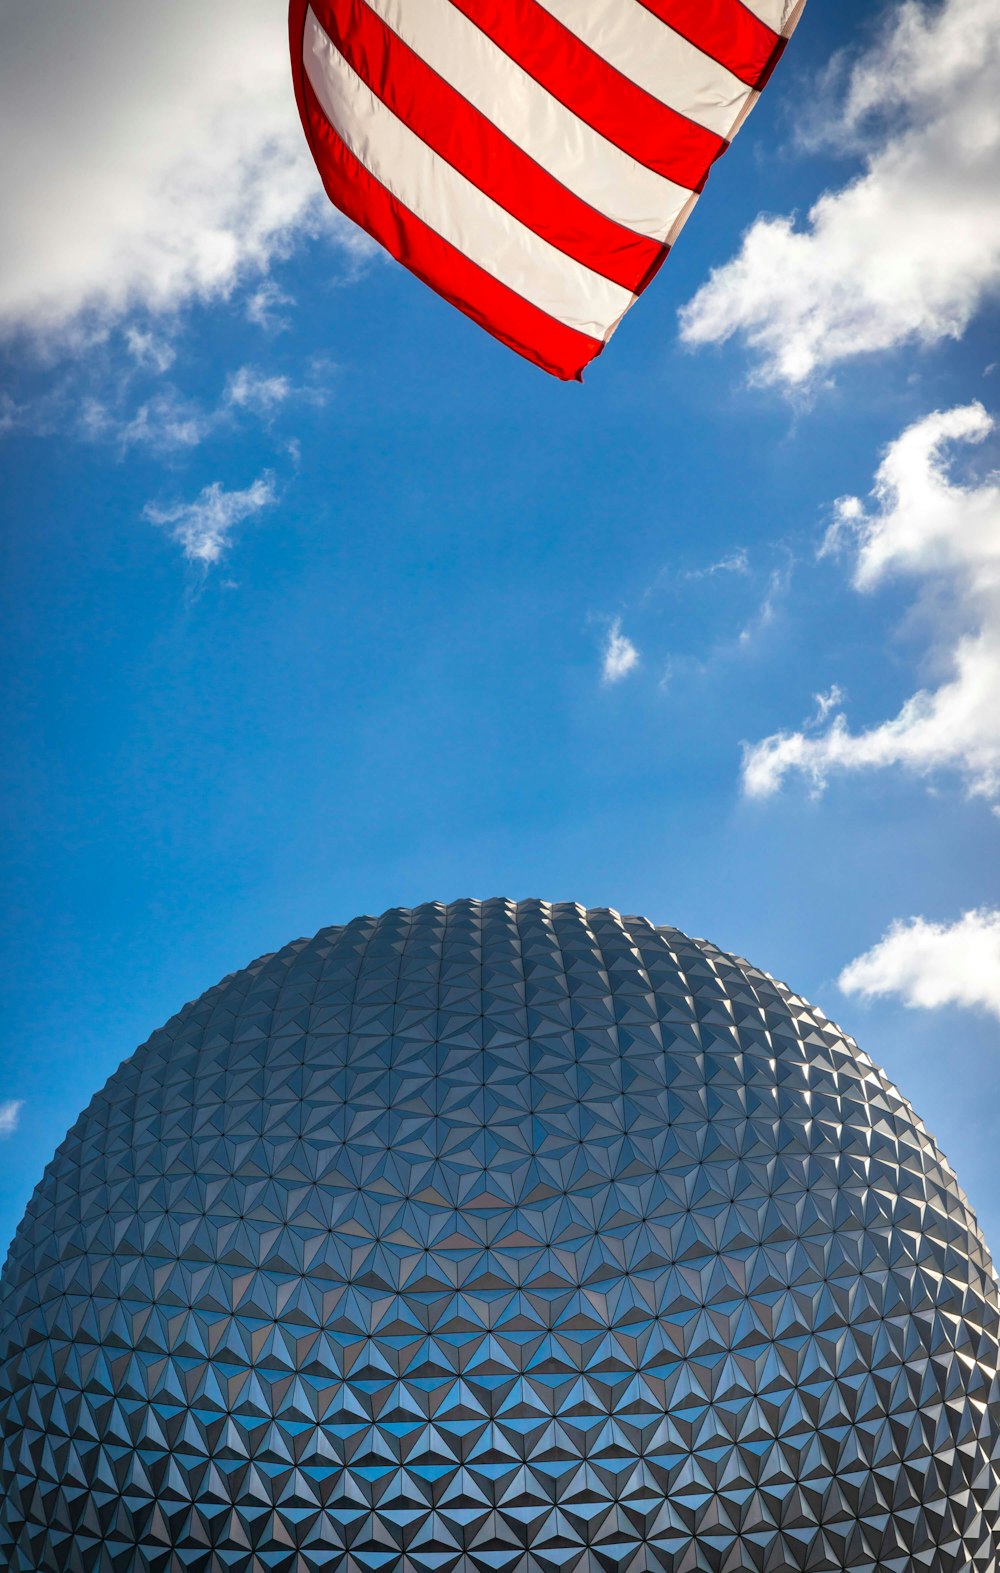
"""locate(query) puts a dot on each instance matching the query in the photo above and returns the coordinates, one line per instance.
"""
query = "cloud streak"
(928, 965)
(203, 528)
(924, 526)
(737, 562)
(907, 251)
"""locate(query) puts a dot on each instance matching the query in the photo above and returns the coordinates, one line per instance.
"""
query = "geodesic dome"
(499, 1238)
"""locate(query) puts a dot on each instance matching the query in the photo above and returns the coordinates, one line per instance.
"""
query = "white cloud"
(10, 1114)
(13, 416)
(149, 155)
(737, 562)
(203, 528)
(163, 423)
(926, 526)
(909, 249)
(825, 703)
(932, 964)
(167, 421)
(149, 351)
(264, 305)
(777, 586)
(253, 390)
(620, 654)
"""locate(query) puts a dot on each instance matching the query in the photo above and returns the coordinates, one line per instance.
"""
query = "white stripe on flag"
(451, 205)
(779, 15)
(595, 170)
(654, 57)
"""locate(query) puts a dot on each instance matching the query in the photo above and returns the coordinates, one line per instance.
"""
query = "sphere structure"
(499, 1238)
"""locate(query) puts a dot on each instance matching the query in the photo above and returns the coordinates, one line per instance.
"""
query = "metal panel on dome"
(499, 1238)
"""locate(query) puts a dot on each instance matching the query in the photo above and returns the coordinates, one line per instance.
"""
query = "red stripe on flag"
(506, 315)
(727, 31)
(463, 136)
(593, 90)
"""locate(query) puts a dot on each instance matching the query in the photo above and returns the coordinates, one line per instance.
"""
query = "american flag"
(532, 163)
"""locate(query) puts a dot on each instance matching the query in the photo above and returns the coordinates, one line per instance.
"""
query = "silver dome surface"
(499, 1238)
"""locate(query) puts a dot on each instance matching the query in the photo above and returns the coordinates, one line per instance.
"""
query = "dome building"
(499, 1238)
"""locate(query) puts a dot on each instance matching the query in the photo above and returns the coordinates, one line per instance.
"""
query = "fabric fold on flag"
(532, 164)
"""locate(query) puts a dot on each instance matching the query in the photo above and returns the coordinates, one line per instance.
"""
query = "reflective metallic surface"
(493, 1237)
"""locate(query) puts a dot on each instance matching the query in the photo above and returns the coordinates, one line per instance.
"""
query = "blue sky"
(389, 685)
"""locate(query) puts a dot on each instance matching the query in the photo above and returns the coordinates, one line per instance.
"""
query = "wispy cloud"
(931, 964)
(870, 269)
(737, 562)
(259, 392)
(13, 416)
(163, 423)
(778, 582)
(943, 535)
(152, 351)
(264, 306)
(167, 421)
(620, 655)
(10, 1115)
(203, 528)
(826, 704)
